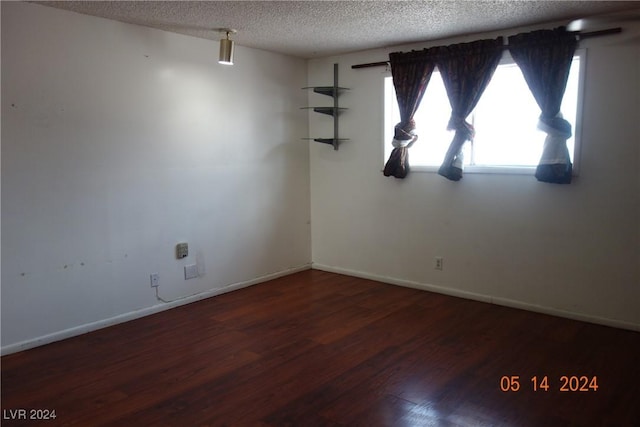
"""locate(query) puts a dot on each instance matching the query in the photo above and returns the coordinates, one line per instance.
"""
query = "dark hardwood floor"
(321, 349)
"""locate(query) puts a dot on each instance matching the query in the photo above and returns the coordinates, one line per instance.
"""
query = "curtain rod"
(580, 37)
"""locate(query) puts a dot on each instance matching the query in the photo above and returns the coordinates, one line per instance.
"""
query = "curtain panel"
(466, 70)
(545, 57)
(411, 73)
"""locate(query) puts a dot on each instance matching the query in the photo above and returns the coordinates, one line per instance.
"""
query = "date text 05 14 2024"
(567, 383)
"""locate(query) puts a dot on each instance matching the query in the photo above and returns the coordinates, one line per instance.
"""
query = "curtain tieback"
(403, 137)
(555, 126)
(461, 125)
(555, 144)
(401, 143)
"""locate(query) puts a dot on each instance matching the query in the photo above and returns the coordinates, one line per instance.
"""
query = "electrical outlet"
(155, 280)
(438, 263)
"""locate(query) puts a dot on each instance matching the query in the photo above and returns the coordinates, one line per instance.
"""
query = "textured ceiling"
(310, 29)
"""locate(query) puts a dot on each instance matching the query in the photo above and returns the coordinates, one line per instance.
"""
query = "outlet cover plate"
(155, 280)
(190, 271)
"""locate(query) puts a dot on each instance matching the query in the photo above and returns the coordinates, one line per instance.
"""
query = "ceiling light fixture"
(226, 47)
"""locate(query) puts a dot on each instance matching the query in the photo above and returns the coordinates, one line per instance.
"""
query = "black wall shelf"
(334, 92)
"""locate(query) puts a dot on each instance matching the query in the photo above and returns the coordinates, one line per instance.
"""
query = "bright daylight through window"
(505, 121)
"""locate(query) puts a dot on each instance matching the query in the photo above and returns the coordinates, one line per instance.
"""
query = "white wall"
(120, 141)
(568, 250)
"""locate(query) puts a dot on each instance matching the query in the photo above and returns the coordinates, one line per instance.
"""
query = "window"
(505, 120)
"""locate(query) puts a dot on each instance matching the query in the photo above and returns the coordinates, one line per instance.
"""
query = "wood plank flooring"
(322, 349)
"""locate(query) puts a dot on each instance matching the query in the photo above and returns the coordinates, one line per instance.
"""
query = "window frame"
(387, 126)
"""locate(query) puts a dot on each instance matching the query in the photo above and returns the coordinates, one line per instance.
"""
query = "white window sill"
(497, 170)
(513, 170)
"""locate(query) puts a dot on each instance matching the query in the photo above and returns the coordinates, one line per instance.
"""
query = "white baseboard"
(483, 298)
(93, 326)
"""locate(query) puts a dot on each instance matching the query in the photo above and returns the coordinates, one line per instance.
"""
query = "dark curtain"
(545, 57)
(466, 70)
(411, 72)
